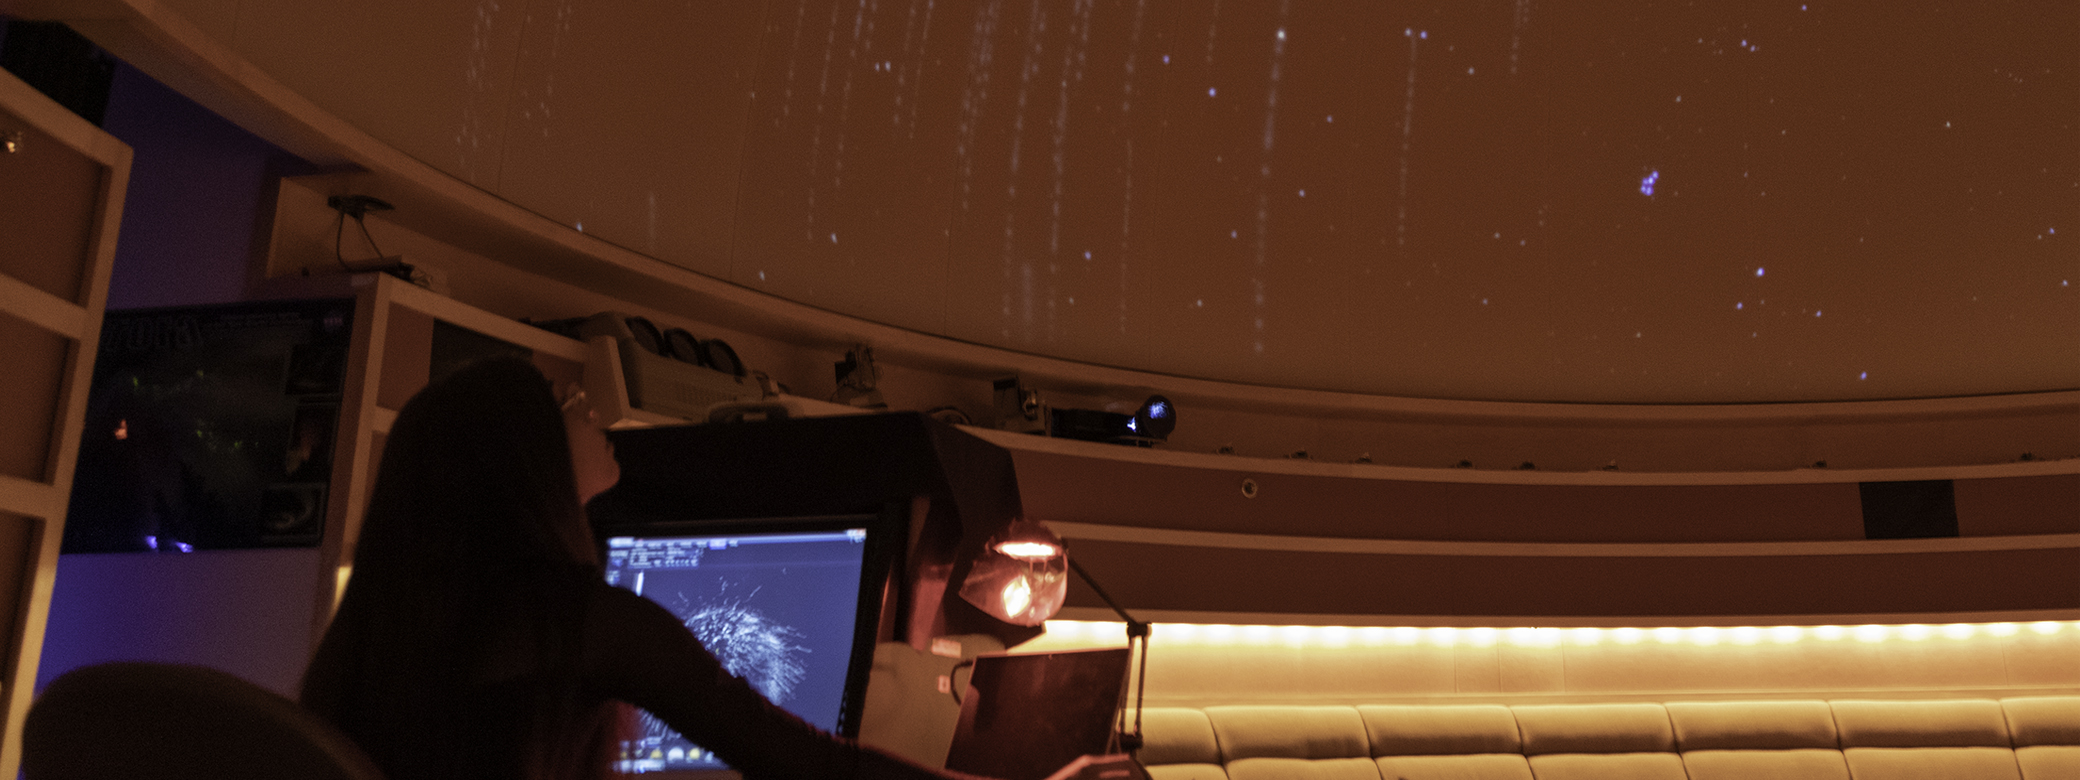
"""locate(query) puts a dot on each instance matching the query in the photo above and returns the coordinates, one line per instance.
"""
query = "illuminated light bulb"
(1523, 636)
(1785, 635)
(2002, 629)
(1959, 631)
(1668, 635)
(1915, 632)
(1027, 551)
(1482, 637)
(1334, 636)
(1296, 636)
(1746, 635)
(2045, 627)
(1870, 633)
(1704, 636)
(1374, 636)
(1407, 635)
(1017, 595)
(1444, 636)
(1586, 636)
(1628, 636)
(1829, 633)
(1256, 635)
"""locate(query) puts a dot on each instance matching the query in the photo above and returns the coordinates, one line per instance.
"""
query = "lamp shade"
(1021, 576)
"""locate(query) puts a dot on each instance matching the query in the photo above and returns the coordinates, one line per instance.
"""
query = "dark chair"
(151, 721)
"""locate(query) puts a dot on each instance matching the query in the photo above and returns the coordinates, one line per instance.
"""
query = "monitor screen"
(789, 605)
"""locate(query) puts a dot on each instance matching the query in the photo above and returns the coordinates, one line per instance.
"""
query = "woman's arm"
(637, 652)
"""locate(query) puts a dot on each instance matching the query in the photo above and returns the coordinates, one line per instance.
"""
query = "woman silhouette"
(477, 637)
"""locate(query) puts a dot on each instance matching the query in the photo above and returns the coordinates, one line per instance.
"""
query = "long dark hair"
(455, 650)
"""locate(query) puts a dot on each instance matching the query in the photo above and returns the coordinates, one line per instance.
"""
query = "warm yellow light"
(1256, 635)
(1029, 551)
(1017, 595)
(1534, 637)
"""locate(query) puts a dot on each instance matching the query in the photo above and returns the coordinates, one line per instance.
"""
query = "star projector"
(1020, 408)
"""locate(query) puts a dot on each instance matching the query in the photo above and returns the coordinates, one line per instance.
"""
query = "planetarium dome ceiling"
(1627, 202)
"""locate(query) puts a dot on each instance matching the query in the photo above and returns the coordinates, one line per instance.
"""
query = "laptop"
(1026, 716)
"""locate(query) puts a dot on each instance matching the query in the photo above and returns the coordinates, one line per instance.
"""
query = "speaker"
(1921, 509)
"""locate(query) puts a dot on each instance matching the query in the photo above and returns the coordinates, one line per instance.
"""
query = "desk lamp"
(1020, 578)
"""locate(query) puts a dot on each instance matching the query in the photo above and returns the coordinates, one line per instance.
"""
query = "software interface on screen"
(776, 608)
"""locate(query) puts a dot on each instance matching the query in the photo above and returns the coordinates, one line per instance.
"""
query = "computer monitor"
(791, 605)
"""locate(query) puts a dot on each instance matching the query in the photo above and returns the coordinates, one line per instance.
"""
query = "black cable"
(358, 220)
(339, 226)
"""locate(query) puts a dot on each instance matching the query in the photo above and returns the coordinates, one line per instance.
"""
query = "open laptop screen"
(1027, 715)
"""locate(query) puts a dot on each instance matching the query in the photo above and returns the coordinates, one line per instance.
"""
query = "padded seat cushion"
(1303, 769)
(2043, 720)
(1441, 730)
(1608, 766)
(1594, 728)
(1186, 772)
(1492, 766)
(1965, 763)
(1288, 732)
(1752, 725)
(1177, 735)
(1921, 724)
(1804, 764)
(2049, 762)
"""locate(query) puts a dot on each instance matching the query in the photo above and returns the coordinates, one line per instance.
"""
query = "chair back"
(154, 721)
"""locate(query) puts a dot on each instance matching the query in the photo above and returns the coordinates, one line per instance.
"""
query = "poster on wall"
(210, 428)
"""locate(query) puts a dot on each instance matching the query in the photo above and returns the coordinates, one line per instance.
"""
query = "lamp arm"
(1135, 628)
(1129, 742)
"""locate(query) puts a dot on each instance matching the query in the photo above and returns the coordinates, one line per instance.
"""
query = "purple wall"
(191, 228)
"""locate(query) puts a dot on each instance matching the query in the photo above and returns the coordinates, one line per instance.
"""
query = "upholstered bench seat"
(2024, 738)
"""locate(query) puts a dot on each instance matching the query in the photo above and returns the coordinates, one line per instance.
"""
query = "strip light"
(1223, 635)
